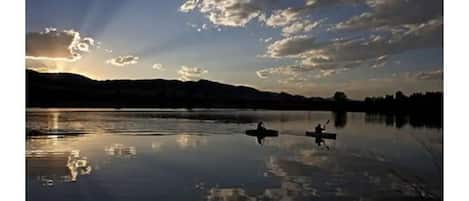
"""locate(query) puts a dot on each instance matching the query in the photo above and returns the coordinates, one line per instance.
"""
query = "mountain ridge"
(69, 89)
(73, 90)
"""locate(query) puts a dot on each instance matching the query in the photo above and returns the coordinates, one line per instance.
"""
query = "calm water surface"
(205, 155)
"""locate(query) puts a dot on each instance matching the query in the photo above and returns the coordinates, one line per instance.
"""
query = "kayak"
(266, 132)
(321, 135)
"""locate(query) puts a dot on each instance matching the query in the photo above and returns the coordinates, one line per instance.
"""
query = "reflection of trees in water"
(229, 194)
(50, 167)
(340, 119)
(401, 120)
(292, 188)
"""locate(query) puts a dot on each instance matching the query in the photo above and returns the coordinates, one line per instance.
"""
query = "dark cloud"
(394, 13)
(66, 45)
(371, 51)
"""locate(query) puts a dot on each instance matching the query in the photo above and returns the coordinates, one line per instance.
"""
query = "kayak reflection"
(319, 137)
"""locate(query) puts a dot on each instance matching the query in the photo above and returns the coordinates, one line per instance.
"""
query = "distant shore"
(66, 90)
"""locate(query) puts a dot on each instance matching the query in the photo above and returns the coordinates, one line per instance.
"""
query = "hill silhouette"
(73, 90)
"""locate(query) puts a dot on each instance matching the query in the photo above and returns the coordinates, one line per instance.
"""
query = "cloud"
(290, 15)
(123, 60)
(372, 50)
(234, 13)
(407, 82)
(191, 73)
(431, 75)
(42, 65)
(394, 13)
(296, 73)
(283, 17)
(299, 27)
(237, 13)
(53, 45)
(157, 67)
(188, 6)
(372, 37)
(282, 70)
(290, 46)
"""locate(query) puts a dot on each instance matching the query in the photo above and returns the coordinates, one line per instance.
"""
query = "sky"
(305, 47)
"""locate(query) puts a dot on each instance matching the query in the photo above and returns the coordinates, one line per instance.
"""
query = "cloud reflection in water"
(186, 141)
(121, 151)
(58, 166)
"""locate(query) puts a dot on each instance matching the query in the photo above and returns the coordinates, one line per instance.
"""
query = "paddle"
(325, 129)
(326, 124)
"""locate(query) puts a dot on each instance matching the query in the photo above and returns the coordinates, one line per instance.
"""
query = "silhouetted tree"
(340, 96)
(400, 96)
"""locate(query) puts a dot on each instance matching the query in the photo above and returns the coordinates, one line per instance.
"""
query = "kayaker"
(319, 128)
(260, 126)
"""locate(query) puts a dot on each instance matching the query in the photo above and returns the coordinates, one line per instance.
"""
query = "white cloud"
(234, 13)
(290, 46)
(191, 73)
(237, 13)
(283, 17)
(188, 6)
(282, 70)
(53, 45)
(296, 73)
(123, 60)
(299, 27)
(158, 67)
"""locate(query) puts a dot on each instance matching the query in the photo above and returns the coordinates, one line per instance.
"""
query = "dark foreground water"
(205, 155)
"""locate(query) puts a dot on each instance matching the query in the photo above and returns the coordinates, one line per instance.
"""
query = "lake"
(163, 154)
